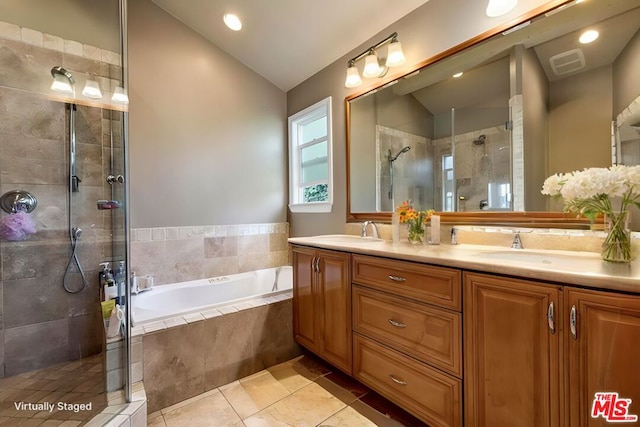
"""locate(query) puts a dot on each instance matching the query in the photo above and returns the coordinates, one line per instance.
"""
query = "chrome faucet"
(363, 233)
(517, 242)
(454, 236)
(275, 280)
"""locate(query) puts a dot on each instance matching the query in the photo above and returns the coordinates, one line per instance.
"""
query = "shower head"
(480, 140)
(76, 233)
(62, 80)
(404, 150)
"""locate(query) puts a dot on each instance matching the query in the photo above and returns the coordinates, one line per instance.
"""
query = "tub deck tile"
(210, 314)
(193, 317)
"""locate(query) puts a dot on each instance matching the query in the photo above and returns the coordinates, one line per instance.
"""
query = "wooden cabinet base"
(428, 393)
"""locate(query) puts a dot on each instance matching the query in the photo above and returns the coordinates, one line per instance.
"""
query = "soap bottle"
(110, 288)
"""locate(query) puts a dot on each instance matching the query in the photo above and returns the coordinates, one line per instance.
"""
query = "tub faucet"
(517, 242)
(363, 233)
(275, 280)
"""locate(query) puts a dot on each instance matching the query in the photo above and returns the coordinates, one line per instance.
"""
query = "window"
(447, 183)
(310, 160)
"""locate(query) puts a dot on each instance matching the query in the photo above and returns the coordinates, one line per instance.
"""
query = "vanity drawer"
(434, 285)
(426, 392)
(427, 333)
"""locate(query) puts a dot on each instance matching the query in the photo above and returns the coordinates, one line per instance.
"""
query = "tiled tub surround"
(41, 324)
(188, 355)
(180, 254)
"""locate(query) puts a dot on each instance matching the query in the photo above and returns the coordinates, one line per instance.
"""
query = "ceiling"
(288, 41)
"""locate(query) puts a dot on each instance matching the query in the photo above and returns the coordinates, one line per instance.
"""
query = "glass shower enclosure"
(63, 112)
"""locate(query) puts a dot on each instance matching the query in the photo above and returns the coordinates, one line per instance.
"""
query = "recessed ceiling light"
(456, 75)
(588, 36)
(232, 21)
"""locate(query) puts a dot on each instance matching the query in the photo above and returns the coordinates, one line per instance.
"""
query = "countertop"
(578, 268)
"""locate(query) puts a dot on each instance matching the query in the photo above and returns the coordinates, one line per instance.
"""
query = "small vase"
(617, 243)
(416, 234)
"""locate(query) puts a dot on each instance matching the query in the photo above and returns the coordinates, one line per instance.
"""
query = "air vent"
(567, 62)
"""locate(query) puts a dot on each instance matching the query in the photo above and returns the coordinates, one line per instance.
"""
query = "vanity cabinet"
(512, 339)
(407, 340)
(536, 354)
(322, 304)
(603, 349)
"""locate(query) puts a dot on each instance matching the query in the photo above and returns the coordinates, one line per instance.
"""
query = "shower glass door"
(59, 144)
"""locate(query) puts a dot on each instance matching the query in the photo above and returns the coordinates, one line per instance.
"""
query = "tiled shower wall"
(41, 324)
(178, 254)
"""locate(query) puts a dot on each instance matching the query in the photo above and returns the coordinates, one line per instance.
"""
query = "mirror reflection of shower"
(392, 159)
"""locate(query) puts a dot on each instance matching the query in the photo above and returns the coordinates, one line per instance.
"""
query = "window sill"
(319, 207)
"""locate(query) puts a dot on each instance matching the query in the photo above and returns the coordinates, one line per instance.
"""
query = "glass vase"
(416, 233)
(617, 243)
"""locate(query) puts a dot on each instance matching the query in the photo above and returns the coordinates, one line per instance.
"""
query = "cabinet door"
(512, 356)
(305, 311)
(604, 356)
(335, 315)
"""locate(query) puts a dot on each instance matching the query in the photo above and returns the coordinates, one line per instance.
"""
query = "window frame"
(295, 122)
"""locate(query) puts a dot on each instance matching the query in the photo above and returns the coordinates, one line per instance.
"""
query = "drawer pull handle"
(573, 322)
(397, 381)
(551, 318)
(397, 324)
(397, 278)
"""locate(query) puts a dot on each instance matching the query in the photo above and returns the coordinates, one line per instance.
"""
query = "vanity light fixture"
(120, 96)
(588, 36)
(497, 8)
(62, 80)
(232, 21)
(372, 67)
(92, 89)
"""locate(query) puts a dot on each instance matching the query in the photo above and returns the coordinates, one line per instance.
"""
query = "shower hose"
(73, 259)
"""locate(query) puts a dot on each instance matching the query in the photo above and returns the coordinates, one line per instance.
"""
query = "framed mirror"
(530, 102)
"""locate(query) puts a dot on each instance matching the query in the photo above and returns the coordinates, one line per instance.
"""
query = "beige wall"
(535, 96)
(207, 134)
(573, 119)
(626, 69)
(427, 31)
(92, 22)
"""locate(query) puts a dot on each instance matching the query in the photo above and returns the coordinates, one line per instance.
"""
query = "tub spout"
(275, 280)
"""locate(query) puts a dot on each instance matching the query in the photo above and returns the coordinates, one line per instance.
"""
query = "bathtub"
(167, 301)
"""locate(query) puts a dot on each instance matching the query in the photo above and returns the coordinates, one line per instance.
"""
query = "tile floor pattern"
(299, 393)
(77, 382)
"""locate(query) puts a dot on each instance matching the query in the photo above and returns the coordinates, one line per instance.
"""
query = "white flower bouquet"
(594, 191)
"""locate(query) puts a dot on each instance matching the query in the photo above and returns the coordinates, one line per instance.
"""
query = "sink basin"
(529, 256)
(347, 238)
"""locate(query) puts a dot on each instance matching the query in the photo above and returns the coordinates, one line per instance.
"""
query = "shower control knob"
(120, 179)
(111, 179)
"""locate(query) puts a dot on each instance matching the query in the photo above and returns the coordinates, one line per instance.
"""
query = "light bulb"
(119, 95)
(588, 36)
(92, 89)
(371, 66)
(232, 21)
(353, 77)
(395, 56)
(500, 7)
(61, 84)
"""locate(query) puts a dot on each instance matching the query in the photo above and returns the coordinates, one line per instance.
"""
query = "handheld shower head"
(76, 233)
(404, 150)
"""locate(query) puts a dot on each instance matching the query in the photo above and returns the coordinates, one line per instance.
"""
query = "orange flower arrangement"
(414, 219)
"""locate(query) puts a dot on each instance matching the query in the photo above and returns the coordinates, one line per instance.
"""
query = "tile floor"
(77, 382)
(301, 392)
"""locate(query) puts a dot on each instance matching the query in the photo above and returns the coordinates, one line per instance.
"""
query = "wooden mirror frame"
(528, 219)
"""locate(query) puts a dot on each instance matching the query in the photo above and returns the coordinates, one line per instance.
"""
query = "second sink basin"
(530, 256)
